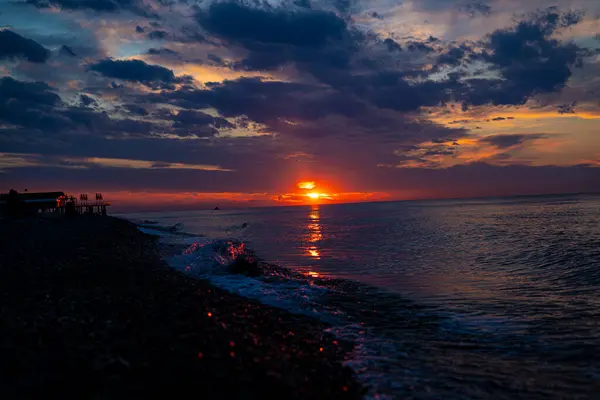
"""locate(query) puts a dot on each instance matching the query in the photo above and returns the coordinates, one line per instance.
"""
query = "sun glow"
(313, 192)
(306, 185)
(317, 196)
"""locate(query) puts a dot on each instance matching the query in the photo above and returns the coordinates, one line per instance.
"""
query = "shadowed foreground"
(88, 309)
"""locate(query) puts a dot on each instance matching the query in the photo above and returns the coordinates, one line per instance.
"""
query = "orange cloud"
(324, 198)
(306, 185)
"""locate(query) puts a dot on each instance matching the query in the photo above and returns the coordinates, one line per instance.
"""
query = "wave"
(399, 345)
(321, 298)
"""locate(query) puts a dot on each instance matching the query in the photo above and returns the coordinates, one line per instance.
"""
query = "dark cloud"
(13, 45)
(135, 109)
(197, 123)
(304, 111)
(29, 93)
(476, 8)
(392, 45)
(66, 51)
(419, 46)
(275, 36)
(139, 29)
(266, 101)
(135, 70)
(529, 60)
(157, 35)
(238, 23)
(527, 57)
(189, 117)
(162, 51)
(568, 108)
(440, 151)
(35, 105)
(136, 6)
(87, 100)
(101, 123)
(506, 141)
(29, 105)
(453, 56)
(216, 59)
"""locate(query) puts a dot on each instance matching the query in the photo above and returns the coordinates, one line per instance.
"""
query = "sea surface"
(446, 299)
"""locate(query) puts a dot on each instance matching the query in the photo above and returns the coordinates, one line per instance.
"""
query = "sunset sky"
(227, 102)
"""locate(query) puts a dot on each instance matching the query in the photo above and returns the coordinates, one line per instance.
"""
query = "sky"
(182, 103)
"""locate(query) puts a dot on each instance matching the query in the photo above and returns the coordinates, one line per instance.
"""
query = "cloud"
(242, 24)
(157, 35)
(392, 45)
(109, 6)
(275, 36)
(510, 140)
(475, 8)
(453, 57)
(337, 90)
(189, 117)
(36, 105)
(66, 51)
(162, 51)
(568, 108)
(19, 160)
(136, 71)
(13, 45)
(135, 109)
(28, 104)
(529, 60)
(87, 100)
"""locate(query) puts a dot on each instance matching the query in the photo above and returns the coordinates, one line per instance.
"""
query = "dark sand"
(89, 310)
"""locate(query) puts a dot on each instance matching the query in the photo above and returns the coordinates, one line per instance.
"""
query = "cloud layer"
(361, 96)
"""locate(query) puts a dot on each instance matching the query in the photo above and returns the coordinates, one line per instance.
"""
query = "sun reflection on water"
(314, 233)
(314, 253)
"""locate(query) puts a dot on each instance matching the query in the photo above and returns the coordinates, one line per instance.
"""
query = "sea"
(443, 299)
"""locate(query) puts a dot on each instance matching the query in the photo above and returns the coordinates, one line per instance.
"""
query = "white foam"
(209, 259)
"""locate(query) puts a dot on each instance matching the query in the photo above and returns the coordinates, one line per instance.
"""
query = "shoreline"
(90, 309)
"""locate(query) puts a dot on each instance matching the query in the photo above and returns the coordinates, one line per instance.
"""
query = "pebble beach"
(90, 310)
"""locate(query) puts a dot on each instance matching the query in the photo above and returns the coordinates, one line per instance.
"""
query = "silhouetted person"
(14, 206)
(70, 210)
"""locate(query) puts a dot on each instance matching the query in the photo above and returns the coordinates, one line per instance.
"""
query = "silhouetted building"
(29, 203)
(23, 204)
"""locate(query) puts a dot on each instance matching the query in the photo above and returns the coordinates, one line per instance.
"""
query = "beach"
(90, 310)
(444, 299)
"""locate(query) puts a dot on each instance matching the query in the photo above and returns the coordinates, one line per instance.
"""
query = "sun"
(313, 195)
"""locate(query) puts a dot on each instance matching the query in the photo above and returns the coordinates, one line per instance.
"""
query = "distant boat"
(217, 208)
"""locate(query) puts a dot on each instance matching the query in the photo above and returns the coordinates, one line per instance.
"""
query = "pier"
(70, 205)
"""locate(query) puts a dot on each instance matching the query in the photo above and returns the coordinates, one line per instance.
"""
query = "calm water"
(465, 299)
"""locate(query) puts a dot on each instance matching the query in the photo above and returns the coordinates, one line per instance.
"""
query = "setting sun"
(313, 195)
